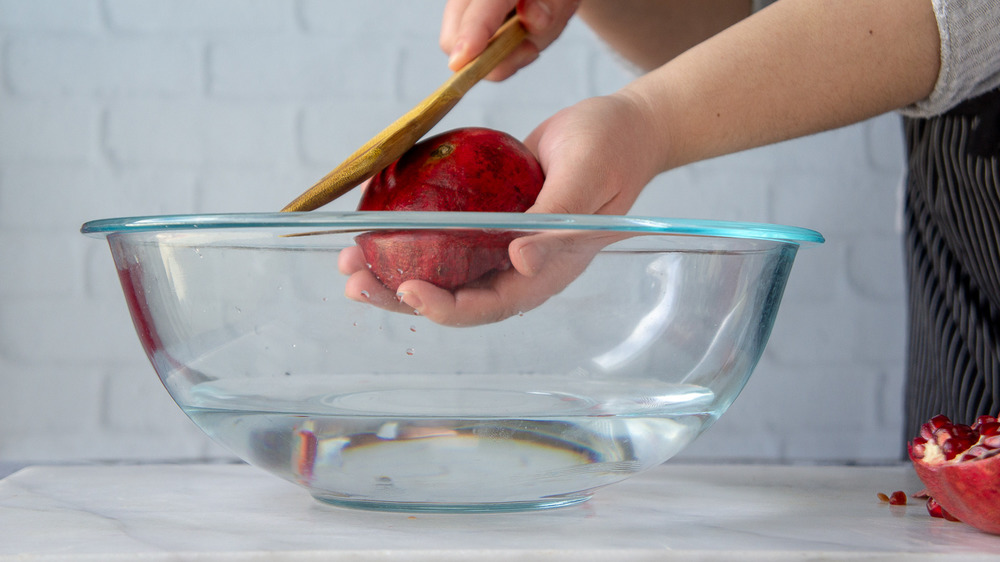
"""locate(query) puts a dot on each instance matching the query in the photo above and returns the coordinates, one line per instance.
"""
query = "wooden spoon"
(387, 146)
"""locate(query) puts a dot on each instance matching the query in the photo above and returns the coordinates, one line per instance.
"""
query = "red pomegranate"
(470, 169)
(960, 465)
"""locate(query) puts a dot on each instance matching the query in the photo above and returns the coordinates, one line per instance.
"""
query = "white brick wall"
(128, 107)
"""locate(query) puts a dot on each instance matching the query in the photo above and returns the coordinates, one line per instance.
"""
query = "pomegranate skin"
(969, 490)
(470, 169)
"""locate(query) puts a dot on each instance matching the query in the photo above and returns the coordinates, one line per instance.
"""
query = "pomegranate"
(470, 169)
(960, 465)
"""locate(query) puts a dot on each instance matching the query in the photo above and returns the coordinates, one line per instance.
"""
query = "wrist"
(649, 120)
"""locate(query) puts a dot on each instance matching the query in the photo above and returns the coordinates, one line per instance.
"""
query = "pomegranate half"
(960, 465)
(469, 169)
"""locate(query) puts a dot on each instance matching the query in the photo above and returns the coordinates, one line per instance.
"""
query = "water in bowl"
(457, 443)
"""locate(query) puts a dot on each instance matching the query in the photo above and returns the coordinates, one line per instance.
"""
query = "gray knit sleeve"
(970, 54)
(759, 4)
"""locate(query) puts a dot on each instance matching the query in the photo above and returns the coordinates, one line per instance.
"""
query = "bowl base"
(435, 507)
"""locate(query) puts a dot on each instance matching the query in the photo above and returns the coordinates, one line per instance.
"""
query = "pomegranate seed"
(989, 429)
(934, 508)
(993, 442)
(974, 453)
(882, 497)
(897, 498)
(983, 420)
(927, 430)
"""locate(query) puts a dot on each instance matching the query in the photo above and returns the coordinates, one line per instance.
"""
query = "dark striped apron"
(952, 210)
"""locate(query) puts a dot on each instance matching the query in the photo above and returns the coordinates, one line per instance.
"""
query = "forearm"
(797, 68)
(648, 33)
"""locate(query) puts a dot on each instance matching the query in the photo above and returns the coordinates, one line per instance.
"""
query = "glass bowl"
(620, 341)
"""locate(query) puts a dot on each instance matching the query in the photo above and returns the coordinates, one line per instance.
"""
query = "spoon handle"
(387, 146)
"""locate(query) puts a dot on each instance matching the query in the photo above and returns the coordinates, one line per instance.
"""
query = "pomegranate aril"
(981, 421)
(935, 510)
(974, 453)
(989, 429)
(993, 442)
(927, 430)
(897, 498)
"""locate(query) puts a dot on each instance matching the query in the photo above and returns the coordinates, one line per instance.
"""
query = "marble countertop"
(235, 512)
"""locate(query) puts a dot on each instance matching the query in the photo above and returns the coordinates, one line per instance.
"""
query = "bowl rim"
(366, 220)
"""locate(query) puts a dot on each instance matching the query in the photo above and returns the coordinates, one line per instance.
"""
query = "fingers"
(471, 305)
(468, 25)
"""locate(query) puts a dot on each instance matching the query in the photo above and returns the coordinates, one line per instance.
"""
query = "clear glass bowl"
(626, 340)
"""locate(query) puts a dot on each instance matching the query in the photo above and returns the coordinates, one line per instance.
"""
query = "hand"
(542, 266)
(468, 25)
(597, 157)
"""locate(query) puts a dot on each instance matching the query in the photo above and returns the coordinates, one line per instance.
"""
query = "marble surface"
(675, 512)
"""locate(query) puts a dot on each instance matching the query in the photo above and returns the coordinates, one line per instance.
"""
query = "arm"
(649, 34)
(796, 68)
(646, 32)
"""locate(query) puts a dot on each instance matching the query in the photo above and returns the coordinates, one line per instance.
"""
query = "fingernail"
(539, 15)
(410, 300)
(533, 257)
(457, 53)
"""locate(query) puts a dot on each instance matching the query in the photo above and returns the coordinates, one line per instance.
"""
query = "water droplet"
(413, 328)
(399, 271)
(197, 251)
(416, 312)
(365, 294)
(409, 351)
(355, 324)
(324, 299)
(519, 313)
(239, 310)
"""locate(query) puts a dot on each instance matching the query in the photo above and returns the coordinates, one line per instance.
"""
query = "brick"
(67, 332)
(48, 132)
(817, 275)
(183, 133)
(880, 332)
(706, 192)
(330, 132)
(299, 68)
(875, 267)
(516, 119)
(39, 263)
(884, 146)
(239, 190)
(152, 16)
(557, 78)
(84, 193)
(51, 65)
(46, 401)
(811, 335)
(134, 400)
(372, 21)
(50, 15)
(852, 202)
(606, 72)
